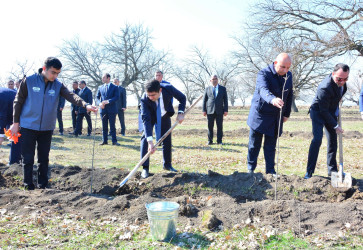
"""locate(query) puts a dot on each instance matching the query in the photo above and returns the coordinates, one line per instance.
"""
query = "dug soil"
(208, 200)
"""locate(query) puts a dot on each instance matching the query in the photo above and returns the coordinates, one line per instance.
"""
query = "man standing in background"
(215, 106)
(59, 114)
(86, 94)
(107, 95)
(73, 108)
(11, 84)
(121, 105)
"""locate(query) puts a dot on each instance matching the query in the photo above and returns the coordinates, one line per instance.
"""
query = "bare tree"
(22, 68)
(333, 26)
(257, 52)
(354, 88)
(83, 60)
(191, 90)
(133, 56)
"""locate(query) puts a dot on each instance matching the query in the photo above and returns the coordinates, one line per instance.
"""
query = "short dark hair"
(52, 62)
(159, 71)
(342, 66)
(75, 82)
(152, 86)
(107, 75)
(83, 82)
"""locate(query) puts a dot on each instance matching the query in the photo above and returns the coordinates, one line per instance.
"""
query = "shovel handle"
(340, 136)
(132, 173)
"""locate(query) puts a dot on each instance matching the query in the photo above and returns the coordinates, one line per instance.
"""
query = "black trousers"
(165, 126)
(121, 117)
(80, 122)
(332, 144)
(60, 121)
(74, 119)
(219, 121)
(42, 139)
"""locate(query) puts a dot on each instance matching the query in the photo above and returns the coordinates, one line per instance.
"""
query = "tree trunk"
(294, 107)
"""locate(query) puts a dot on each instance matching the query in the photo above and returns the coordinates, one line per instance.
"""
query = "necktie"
(214, 91)
(158, 121)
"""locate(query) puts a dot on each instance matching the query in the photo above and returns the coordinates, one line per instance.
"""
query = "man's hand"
(151, 148)
(277, 102)
(284, 119)
(180, 118)
(14, 128)
(225, 113)
(61, 109)
(101, 105)
(205, 113)
(123, 109)
(91, 108)
(339, 130)
(105, 102)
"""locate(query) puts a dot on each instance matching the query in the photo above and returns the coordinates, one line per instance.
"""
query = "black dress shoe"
(103, 143)
(29, 187)
(41, 186)
(88, 134)
(250, 171)
(220, 143)
(116, 144)
(170, 169)
(210, 143)
(145, 173)
(71, 133)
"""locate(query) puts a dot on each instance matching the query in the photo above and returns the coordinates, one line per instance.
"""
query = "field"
(221, 206)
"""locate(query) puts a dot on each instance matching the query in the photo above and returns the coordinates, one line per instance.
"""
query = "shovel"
(340, 179)
(133, 172)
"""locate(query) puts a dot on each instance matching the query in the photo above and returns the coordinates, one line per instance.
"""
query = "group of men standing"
(38, 102)
(115, 105)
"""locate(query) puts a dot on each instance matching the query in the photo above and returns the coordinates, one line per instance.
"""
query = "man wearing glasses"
(323, 113)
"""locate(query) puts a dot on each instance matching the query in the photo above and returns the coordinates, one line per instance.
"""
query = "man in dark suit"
(121, 105)
(7, 97)
(73, 107)
(108, 94)
(59, 114)
(273, 92)
(157, 108)
(323, 113)
(215, 106)
(86, 94)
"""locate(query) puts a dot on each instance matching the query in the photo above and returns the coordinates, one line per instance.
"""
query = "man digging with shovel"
(157, 108)
(323, 113)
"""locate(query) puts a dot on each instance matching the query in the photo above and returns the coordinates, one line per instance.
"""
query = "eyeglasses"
(341, 79)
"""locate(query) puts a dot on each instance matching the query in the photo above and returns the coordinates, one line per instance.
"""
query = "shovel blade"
(341, 181)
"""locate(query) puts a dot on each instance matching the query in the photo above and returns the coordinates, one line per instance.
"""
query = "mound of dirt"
(206, 200)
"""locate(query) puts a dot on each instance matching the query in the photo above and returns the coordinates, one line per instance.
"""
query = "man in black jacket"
(121, 105)
(323, 113)
(215, 106)
(86, 94)
(73, 107)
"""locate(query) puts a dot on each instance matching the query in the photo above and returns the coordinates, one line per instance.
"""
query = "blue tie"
(158, 121)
